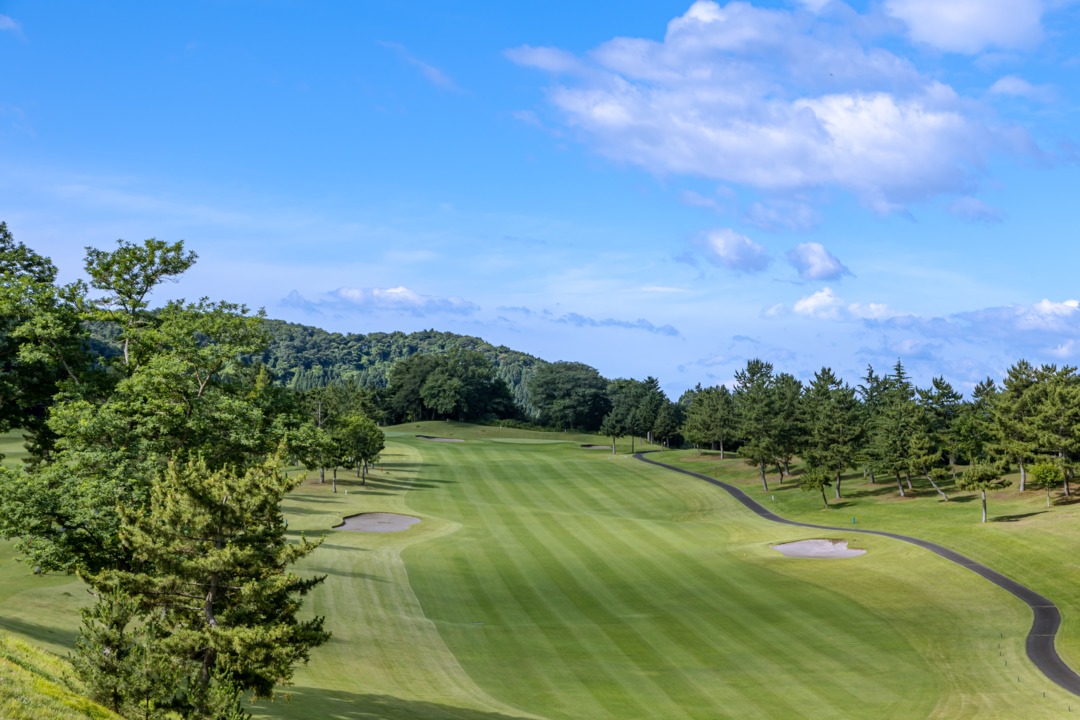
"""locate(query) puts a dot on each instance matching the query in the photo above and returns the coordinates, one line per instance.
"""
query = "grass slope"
(32, 686)
(550, 581)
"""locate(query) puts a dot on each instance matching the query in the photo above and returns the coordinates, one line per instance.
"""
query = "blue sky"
(661, 188)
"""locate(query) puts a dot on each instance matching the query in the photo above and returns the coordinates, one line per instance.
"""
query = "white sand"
(439, 439)
(377, 522)
(818, 549)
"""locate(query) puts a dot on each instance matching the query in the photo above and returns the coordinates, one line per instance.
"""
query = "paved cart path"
(1047, 617)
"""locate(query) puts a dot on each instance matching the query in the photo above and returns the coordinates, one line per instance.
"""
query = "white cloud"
(814, 262)
(971, 26)
(771, 99)
(822, 304)
(1014, 86)
(870, 311)
(736, 251)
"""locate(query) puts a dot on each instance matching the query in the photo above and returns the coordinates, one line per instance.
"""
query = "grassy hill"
(32, 686)
(546, 580)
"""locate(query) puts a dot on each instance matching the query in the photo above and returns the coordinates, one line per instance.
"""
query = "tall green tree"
(895, 425)
(834, 430)
(42, 341)
(213, 577)
(710, 418)
(1056, 416)
(1013, 411)
(569, 396)
(790, 425)
(756, 405)
(127, 276)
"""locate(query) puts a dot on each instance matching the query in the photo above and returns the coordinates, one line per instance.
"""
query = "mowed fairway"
(551, 581)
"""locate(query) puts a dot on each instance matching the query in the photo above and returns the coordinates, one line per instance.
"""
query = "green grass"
(546, 580)
(1023, 539)
(33, 686)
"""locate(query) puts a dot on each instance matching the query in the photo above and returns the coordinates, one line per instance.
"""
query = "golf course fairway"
(545, 580)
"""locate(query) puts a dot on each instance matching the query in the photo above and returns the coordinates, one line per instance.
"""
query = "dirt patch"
(377, 522)
(818, 549)
(596, 447)
(432, 438)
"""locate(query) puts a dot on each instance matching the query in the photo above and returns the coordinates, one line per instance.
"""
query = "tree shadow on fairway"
(354, 706)
(869, 490)
(38, 632)
(398, 484)
(1014, 518)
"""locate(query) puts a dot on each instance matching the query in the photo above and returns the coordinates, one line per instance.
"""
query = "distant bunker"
(432, 438)
(377, 522)
(818, 549)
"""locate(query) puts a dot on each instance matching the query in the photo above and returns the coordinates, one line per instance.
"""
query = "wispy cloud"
(368, 300)
(431, 73)
(640, 324)
(9, 24)
(814, 262)
(974, 209)
(1014, 86)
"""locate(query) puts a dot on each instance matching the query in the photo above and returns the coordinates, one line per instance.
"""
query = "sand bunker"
(818, 549)
(596, 447)
(377, 522)
(432, 438)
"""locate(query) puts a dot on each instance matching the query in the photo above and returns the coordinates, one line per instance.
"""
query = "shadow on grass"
(1014, 518)
(355, 706)
(38, 632)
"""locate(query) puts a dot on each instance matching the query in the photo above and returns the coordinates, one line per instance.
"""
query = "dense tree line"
(895, 431)
(303, 357)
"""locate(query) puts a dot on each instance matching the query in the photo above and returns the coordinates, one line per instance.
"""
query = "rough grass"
(33, 687)
(549, 581)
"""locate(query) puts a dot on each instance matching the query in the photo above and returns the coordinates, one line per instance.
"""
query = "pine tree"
(212, 574)
(756, 404)
(833, 428)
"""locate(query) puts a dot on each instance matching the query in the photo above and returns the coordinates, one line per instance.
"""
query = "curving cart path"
(1044, 627)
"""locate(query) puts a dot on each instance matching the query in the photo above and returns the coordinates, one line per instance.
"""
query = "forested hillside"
(302, 357)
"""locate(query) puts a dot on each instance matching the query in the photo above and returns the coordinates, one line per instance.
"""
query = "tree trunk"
(764, 482)
(984, 504)
(322, 475)
(838, 485)
(1023, 476)
(721, 449)
(612, 444)
(907, 477)
(335, 479)
(631, 443)
(823, 498)
(1047, 496)
(900, 485)
(939, 490)
(1067, 474)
